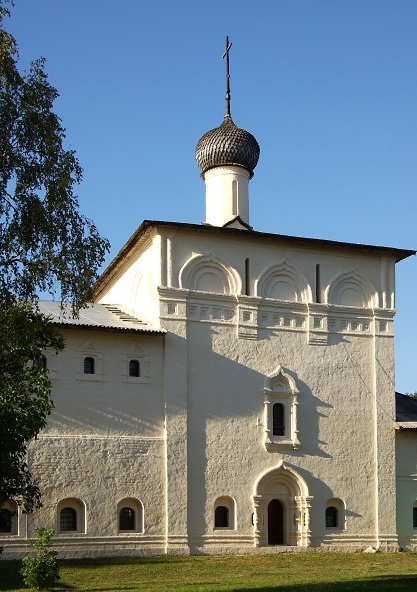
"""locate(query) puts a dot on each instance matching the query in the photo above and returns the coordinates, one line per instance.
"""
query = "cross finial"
(226, 55)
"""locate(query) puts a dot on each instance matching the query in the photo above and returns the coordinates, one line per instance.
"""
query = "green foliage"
(46, 245)
(24, 396)
(41, 571)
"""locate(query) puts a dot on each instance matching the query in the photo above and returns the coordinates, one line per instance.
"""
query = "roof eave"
(101, 328)
(147, 226)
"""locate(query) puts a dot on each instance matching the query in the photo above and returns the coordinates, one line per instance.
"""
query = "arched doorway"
(275, 522)
(281, 508)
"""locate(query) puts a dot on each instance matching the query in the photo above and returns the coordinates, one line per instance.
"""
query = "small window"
(70, 516)
(130, 515)
(9, 518)
(127, 519)
(221, 517)
(6, 520)
(332, 517)
(134, 368)
(278, 420)
(68, 520)
(89, 365)
(415, 517)
(225, 512)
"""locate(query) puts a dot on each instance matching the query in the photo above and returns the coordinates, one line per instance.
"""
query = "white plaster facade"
(195, 431)
(240, 398)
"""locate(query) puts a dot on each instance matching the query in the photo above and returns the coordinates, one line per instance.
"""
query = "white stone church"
(228, 391)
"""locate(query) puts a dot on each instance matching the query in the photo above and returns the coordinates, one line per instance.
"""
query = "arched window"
(130, 515)
(8, 518)
(332, 517)
(5, 520)
(88, 365)
(280, 411)
(127, 519)
(67, 520)
(225, 512)
(134, 368)
(278, 420)
(221, 517)
(70, 516)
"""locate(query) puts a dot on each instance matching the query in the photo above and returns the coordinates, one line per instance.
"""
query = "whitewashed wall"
(192, 430)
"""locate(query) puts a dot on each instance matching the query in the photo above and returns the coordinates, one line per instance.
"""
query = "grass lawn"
(312, 572)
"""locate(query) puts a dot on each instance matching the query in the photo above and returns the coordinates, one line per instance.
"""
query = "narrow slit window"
(247, 280)
(415, 517)
(234, 197)
(278, 420)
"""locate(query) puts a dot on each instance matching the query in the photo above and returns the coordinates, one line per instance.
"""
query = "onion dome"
(227, 145)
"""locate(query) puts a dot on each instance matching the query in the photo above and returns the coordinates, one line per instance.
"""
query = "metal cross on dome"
(226, 55)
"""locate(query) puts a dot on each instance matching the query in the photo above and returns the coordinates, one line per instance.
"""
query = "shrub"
(41, 571)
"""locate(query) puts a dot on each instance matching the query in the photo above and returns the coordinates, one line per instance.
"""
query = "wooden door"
(275, 522)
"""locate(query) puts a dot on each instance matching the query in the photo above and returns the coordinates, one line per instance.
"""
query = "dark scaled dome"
(227, 145)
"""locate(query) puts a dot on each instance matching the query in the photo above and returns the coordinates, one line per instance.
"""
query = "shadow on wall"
(226, 407)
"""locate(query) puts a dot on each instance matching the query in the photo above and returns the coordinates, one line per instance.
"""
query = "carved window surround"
(280, 387)
(135, 352)
(89, 350)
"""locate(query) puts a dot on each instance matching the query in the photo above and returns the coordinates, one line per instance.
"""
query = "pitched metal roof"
(406, 412)
(102, 317)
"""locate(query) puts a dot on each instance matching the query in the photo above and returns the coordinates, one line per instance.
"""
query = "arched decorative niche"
(281, 489)
(142, 288)
(208, 273)
(130, 516)
(351, 289)
(280, 411)
(225, 513)
(283, 282)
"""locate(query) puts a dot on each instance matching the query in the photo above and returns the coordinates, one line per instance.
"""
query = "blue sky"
(328, 88)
